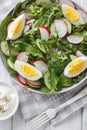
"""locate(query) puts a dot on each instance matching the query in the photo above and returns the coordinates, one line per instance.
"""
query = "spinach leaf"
(16, 10)
(3, 27)
(64, 81)
(54, 80)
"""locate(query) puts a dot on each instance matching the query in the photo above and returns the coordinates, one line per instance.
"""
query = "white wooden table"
(77, 121)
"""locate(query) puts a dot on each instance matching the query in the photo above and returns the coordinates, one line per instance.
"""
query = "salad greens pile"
(55, 52)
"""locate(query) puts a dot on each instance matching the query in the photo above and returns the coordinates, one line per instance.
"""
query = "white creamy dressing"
(7, 100)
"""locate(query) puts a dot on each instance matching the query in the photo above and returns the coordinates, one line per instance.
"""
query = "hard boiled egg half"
(72, 15)
(27, 70)
(16, 27)
(75, 67)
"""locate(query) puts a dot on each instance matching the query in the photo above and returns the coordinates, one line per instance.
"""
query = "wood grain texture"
(84, 118)
(7, 124)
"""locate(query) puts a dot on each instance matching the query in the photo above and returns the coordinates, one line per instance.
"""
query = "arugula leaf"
(58, 61)
(34, 51)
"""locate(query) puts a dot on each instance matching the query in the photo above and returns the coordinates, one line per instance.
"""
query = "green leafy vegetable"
(3, 27)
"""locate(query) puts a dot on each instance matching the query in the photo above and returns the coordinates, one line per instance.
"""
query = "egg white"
(67, 74)
(12, 25)
(17, 66)
(79, 22)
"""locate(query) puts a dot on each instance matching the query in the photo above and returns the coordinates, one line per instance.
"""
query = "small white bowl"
(11, 111)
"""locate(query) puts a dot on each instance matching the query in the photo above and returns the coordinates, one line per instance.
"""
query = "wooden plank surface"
(84, 118)
(6, 125)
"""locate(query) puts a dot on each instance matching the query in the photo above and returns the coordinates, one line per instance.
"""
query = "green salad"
(47, 36)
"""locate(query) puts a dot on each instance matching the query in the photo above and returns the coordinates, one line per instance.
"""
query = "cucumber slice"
(73, 57)
(53, 30)
(68, 25)
(5, 48)
(33, 84)
(47, 80)
(43, 2)
(10, 64)
(41, 47)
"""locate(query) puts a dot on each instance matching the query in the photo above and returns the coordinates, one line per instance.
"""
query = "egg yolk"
(28, 70)
(17, 27)
(71, 14)
(76, 66)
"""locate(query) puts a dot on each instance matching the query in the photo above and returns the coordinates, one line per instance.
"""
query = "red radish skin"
(22, 56)
(44, 31)
(67, 2)
(29, 21)
(21, 80)
(33, 84)
(61, 28)
(74, 39)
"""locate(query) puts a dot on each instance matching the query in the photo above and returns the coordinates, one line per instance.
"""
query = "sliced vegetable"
(41, 47)
(75, 39)
(61, 28)
(10, 64)
(45, 34)
(27, 16)
(42, 66)
(26, 28)
(79, 53)
(28, 21)
(83, 14)
(53, 30)
(27, 24)
(8, 26)
(73, 57)
(47, 80)
(5, 48)
(43, 2)
(21, 80)
(67, 2)
(33, 84)
(69, 26)
(22, 56)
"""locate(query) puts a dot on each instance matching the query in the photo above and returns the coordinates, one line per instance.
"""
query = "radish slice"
(75, 39)
(8, 26)
(45, 34)
(79, 53)
(22, 56)
(28, 21)
(26, 28)
(41, 66)
(26, 14)
(27, 24)
(83, 14)
(21, 80)
(69, 26)
(67, 2)
(34, 84)
(61, 28)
